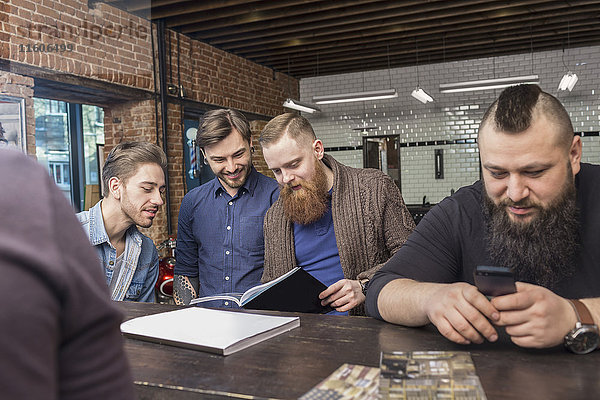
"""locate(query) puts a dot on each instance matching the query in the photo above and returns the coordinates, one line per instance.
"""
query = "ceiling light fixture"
(300, 106)
(421, 95)
(488, 84)
(296, 104)
(568, 81)
(358, 96)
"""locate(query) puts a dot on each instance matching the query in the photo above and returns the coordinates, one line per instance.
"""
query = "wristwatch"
(584, 337)
(363, 285)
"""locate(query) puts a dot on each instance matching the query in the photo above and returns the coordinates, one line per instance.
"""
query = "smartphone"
(494, 281)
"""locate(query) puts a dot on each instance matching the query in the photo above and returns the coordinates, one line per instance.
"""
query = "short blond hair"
(296, 126)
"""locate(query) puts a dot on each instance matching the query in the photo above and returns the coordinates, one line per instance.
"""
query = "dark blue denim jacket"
(139, 270)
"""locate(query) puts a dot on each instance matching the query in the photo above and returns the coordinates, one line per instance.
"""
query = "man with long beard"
(220, 245)
(536, 212)
(338, 223)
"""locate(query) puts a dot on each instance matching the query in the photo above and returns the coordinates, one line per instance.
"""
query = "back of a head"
(123, 161)
(218, 124)
(517, 108)
(56, 295)
(296, 126)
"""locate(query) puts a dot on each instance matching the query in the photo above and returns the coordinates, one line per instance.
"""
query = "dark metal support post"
(162, 70)
(77, 156)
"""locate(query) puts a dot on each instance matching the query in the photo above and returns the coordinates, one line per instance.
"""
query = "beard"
(243, 171)
(308, 204)
(135, 214)
(541, 251)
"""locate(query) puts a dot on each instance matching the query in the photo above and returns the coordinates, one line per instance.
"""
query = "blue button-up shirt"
(139, 269)
(220, 238)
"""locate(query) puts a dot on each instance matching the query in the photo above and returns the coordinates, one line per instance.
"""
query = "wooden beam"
(404, 31)
(151, 4)
(391, 25)
(429, 58)
(187, 7)
(283, 15)
(85, 89)
(432, 46)
(230, 16)
(460, 35)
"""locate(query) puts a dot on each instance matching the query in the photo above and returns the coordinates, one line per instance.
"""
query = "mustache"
(524, 203)
(288, 186)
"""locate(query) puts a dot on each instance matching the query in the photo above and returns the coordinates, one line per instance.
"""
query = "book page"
(256, 290)
(235, 297)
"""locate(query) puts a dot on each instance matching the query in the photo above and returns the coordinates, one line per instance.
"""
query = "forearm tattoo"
(184, 289)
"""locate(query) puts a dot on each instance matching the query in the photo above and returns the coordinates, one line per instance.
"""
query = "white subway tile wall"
(452, 116)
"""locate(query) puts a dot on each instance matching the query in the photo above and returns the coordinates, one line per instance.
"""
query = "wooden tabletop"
(287, 366)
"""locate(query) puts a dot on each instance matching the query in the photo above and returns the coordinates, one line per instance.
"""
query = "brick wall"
(451, 117)
(110, 45)
(258, 159)
(213, 76)
(103, 43)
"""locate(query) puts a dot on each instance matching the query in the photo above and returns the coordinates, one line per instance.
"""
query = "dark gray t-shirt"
(59, 330)
(449, 243)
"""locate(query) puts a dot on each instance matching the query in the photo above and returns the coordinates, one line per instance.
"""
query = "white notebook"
(205, 329)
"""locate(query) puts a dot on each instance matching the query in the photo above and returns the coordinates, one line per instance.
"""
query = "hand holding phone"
(494, 281)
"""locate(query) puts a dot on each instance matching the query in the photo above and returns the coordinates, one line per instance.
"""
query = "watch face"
(582, 340)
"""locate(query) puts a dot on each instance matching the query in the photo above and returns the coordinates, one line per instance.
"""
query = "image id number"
(45, 48)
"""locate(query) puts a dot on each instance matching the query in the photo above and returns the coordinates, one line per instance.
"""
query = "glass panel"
(52, 140)
(382, 153)
(93, 134)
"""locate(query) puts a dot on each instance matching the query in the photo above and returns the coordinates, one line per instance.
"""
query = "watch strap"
(583, 313)
(363, 285)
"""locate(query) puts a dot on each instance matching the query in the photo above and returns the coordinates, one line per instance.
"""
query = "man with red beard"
(536, 211)
(220, 246)
(338, 223)
(133, 180)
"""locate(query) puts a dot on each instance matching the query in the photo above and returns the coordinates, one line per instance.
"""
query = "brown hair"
(296, 126)
(516, 108)
(218, 124)
(124, 160)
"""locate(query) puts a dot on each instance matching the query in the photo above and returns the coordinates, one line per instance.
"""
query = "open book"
(296, 291)
(216, 331)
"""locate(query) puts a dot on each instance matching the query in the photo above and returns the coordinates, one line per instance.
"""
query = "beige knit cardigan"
(370, 220)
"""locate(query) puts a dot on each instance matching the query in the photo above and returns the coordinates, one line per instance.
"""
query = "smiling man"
(220, 247)
(338, 223)
(133, 180)
(535, 211)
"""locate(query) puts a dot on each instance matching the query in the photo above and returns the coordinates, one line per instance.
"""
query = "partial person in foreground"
(220, 246)
(59, 331)
(536, 211)
(133, 180)
(338, 223)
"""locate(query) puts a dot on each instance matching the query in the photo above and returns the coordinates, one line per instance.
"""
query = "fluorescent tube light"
(421, 95)
(358, 96)
(488, 84)
(568, 81)
(300, 106)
